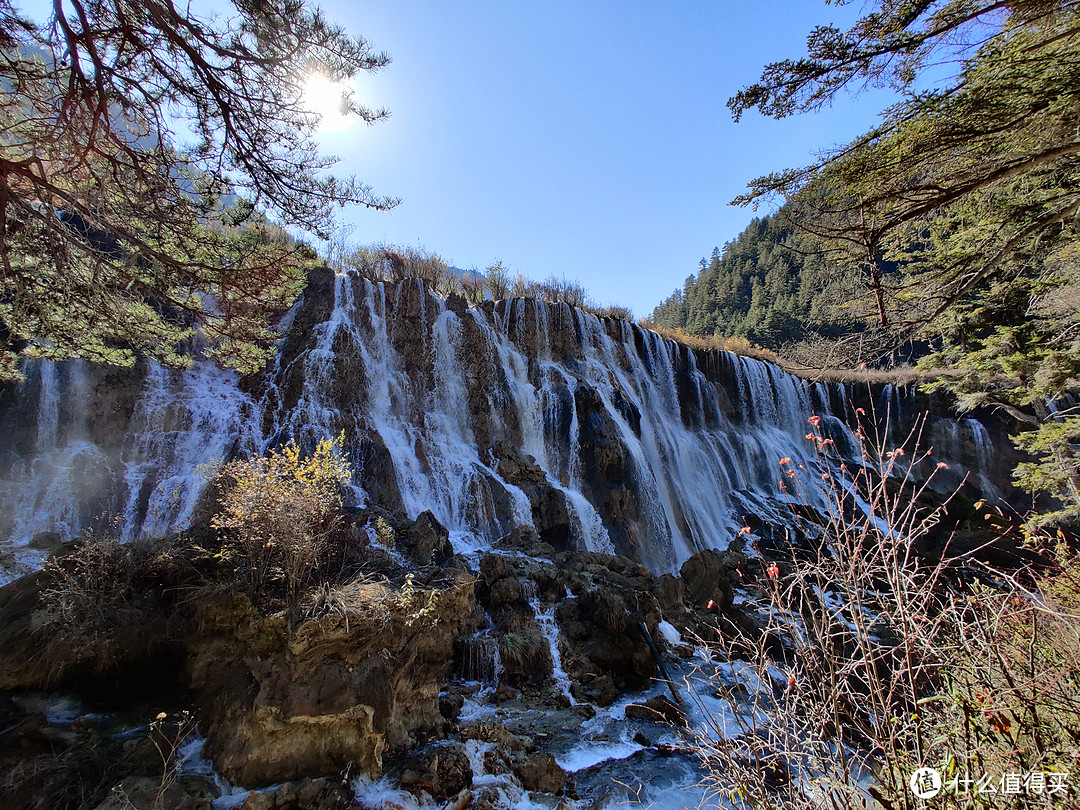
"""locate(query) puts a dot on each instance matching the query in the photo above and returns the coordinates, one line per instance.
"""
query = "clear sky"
(583, 139)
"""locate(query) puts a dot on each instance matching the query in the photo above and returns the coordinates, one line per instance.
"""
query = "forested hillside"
(774, 287)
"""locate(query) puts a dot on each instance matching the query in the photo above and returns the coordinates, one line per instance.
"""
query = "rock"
(494, 567)
(670, 593)
(585, 711)
(491, 732)
(524, 539)
(601, 633)
(657, 708)
(488, 797)
(427, 542)
(279, 704)
(706, 580)
(600, 690)
(456, 303)
(497, 761)
(450, 705)
(144, 793)
(505, 591)
(550, 514)
(307, 794)
(541, 772)
(49, 542)
(442, 771)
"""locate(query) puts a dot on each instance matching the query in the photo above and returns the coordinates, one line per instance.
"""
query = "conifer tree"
(150, 162)
(972, 185)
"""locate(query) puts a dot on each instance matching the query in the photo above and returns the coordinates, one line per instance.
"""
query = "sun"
(325, 98)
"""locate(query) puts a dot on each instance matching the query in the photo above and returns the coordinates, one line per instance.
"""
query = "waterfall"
(600, 433)
(549, 628)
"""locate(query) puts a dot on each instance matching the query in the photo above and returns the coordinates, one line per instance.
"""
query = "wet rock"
(505, 591)
(491, 732)
(551, 518)
(379, 479)
(541, 772)
(600, 690)
(497, 762)
(585, 711)
(603, 638)
(657, 708)
(307, 794)
(457, 304)
(487, 797)
(670, 593)
(526, 540)
(450, 705)
(705, 576)
(49, 542)
(495, 566)
(442, 771)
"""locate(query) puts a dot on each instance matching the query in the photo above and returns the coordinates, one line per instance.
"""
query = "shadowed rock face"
(597, 434)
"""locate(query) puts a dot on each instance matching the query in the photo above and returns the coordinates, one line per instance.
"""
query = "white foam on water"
(592, 753)
(378, 794)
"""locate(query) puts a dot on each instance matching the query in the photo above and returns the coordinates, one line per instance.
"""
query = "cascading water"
(549, 628)
(601, 434)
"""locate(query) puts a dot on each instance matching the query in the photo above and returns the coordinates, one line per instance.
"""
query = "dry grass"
(713, 343)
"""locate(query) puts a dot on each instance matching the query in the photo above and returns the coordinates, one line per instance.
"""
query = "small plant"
(169, 738)
(385, 535)
(416, 607)
(281, 509)
(524, 653)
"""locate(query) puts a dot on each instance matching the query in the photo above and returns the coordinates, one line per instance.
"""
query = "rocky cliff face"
(282, 704)
(597, 434)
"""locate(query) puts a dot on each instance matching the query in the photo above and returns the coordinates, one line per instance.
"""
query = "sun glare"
(324, 98)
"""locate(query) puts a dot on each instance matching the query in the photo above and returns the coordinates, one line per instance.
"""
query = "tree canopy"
(971, 184)
(150, 163)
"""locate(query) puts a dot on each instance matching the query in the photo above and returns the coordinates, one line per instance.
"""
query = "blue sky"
(581, 139)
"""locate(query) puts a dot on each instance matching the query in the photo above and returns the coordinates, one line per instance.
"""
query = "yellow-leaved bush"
(280, 509)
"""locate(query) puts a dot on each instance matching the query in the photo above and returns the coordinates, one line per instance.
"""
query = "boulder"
(541, 772)
(279, 704)
(427, 542)
(307, 794)
(442, 771)
(705, 578)
(659, 708)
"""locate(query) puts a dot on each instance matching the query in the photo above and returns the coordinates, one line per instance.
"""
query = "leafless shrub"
(874, 661)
